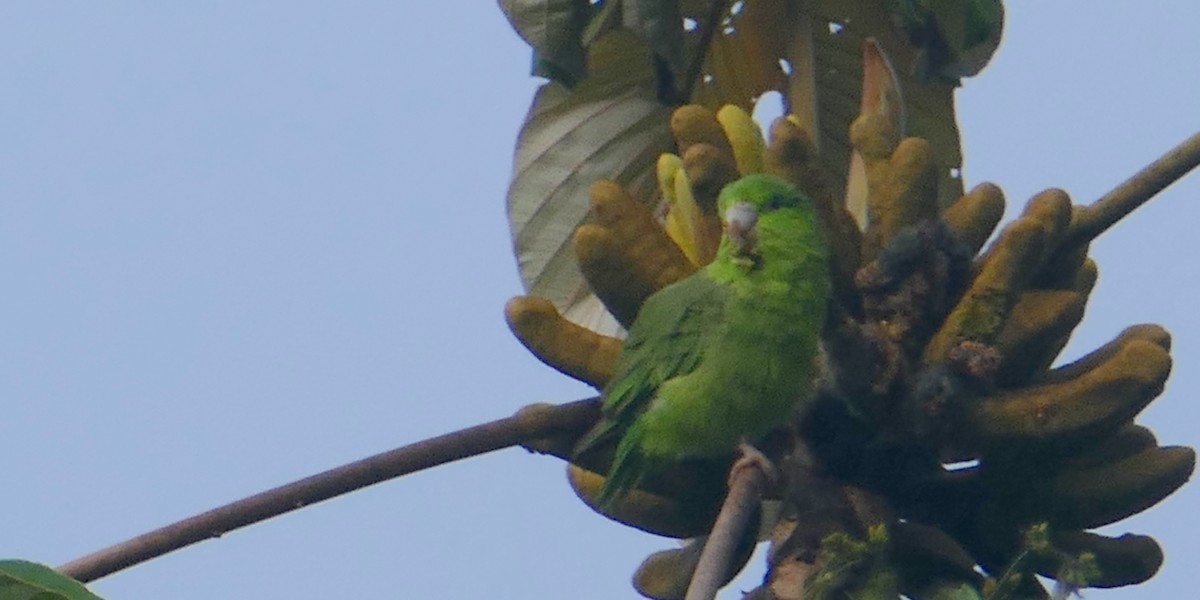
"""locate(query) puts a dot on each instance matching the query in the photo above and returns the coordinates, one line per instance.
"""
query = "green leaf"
(956, 38)
(554, 29)
(609, 127)
(24, 580)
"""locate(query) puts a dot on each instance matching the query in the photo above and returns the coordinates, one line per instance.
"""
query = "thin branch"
(1097, 217)
(532, 422)
(745, 491)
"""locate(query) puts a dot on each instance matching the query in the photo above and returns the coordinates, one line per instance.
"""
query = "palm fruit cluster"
(938, 353)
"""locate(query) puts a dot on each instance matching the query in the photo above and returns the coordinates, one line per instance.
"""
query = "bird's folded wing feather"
(668, 339)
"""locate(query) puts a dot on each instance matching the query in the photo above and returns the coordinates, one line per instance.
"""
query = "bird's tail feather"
(628, 468)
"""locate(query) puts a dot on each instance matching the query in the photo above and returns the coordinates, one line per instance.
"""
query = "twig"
(745, 491)
(531, 422)
(1097, 217)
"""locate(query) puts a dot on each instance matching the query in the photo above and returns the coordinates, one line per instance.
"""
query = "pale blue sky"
(245, 242)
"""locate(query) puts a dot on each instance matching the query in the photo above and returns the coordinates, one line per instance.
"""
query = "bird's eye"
(776, 202)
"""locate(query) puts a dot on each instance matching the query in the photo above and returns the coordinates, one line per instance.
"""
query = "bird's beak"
(740, 220)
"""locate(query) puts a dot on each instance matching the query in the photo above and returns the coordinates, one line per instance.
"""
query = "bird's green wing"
(666, 340)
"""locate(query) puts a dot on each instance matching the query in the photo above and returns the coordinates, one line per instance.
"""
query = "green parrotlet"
(725, 355)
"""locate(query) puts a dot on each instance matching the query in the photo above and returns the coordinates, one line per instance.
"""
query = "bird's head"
(746, 204)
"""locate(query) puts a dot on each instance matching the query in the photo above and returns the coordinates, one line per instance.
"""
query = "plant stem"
(1097, 217)
(532, 422)
(745, 491)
